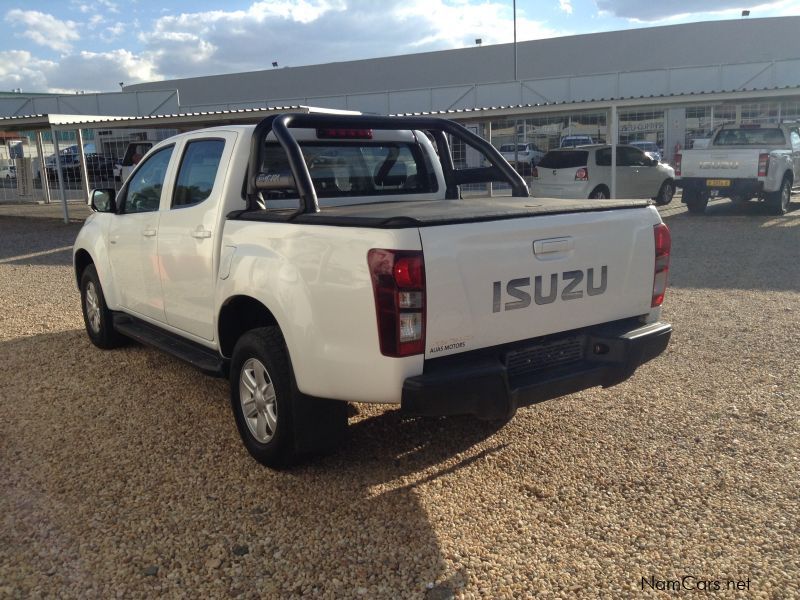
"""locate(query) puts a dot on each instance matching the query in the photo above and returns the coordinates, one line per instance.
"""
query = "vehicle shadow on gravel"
(127, 463)
(751, 249)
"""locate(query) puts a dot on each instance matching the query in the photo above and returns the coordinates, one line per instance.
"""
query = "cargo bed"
(400, 214)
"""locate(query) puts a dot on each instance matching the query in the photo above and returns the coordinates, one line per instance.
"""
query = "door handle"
(201, 233)
(148, 232)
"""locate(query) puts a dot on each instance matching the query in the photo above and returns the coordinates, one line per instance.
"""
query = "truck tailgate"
(721, 164)
(509, 280)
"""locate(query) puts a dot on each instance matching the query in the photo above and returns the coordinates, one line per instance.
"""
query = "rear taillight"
(398, 280)
(663, 243)
(678, 159)
(763, 165)
(535, 173)
(582, 174)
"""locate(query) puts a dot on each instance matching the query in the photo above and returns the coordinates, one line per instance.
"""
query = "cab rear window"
(750, 137)
(564, 159)
(356, 169)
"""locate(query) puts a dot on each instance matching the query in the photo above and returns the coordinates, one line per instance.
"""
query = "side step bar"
(207, 360)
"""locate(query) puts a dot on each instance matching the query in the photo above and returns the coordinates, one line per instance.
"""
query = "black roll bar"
(280, 125)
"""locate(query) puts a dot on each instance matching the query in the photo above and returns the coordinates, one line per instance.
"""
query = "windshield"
(356, 169)
(750, 137)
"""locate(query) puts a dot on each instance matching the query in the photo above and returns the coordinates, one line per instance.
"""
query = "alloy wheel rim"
(258, 400)
(785, 196)
(93, 307)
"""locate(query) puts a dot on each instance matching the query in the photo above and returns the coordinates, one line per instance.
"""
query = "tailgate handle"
(553, 245)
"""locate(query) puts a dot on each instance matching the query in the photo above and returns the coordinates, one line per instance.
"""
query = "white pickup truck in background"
(742, 162)
(318, 259)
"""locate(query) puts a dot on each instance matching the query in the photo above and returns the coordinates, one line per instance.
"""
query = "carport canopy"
(180, 121)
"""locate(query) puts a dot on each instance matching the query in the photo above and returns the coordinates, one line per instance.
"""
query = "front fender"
(93, 238)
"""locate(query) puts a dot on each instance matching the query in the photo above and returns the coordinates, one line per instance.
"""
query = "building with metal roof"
(669, 85)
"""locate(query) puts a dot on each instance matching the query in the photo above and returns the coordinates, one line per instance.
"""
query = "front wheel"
(665, 194)
(96, 316)
(779, 201)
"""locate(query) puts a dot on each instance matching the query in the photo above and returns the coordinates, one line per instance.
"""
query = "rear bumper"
(493, 383)
(737, 187)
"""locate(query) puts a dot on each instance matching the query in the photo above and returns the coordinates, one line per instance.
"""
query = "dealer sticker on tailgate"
(718, 182)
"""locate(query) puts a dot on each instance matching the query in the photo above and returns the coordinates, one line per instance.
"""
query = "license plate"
(718, 183)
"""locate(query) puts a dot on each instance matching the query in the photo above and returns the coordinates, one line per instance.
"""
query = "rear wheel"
(779, 201)
(600, 193)
(665, 194)
(275, 420)
(696, 202)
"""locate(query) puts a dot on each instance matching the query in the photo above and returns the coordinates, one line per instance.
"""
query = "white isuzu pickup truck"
(742, 162)
(317, 259)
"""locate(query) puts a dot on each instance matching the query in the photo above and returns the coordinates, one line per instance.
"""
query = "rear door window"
(564, 159)
(197, 172)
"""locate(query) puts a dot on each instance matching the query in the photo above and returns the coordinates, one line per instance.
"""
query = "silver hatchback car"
(585, 172)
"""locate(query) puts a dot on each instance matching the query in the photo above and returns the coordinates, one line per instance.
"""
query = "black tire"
(665, 193)
(96, 316)
(779, 201)
(600, 193)
(696, 202)
(300, 425)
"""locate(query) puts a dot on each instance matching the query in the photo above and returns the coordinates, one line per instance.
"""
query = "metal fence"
(45, 166)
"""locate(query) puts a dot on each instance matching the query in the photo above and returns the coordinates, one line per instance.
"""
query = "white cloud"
(88, 71)
(45, 29)
(101, 71)
(110, 6)
(113, 31)
(292, 32)
(635, 10)
(19, 69)
(455, 25)
(566, 6)
(331, 30)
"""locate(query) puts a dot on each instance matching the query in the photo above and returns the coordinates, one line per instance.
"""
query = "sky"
(68, 46)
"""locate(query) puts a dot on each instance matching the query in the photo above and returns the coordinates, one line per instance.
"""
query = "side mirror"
(104, 201)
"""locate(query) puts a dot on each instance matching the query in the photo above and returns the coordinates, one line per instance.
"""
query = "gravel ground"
(123, 475)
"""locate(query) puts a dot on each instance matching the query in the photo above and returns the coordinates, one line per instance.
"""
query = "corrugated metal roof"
(201, 118)
(243, 115)
(689, 97)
